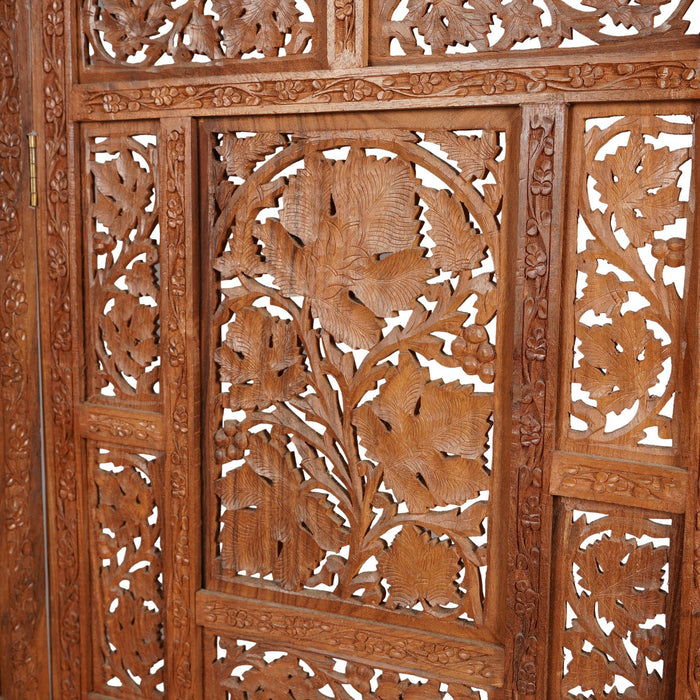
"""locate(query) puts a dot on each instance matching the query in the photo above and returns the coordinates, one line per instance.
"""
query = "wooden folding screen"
(369, 349)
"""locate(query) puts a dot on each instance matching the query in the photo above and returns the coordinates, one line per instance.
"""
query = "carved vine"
(138, 32)
(248, 668)
(625, 344)
(127, 571)
(357, 439)
(444, 27)
(616, 586)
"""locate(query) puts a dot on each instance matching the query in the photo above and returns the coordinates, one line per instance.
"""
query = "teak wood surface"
(351, 350)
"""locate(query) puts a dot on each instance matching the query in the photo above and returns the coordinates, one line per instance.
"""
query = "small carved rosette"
(633, 215)
(354, 356)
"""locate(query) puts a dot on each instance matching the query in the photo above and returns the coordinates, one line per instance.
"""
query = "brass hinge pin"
(33, 178)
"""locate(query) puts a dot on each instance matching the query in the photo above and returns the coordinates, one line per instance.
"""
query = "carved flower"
(423, 83)
(62, 341)
(542, 180)
(225, 97)
(356, 90)
(54, 19)
(530, 430)
(59, 187)
(67, 485)
(531, 513)
(498, 83)
(15, 299)
(289, 90)
(346, 234)
(19, 439)
(164, 95)
(667, 77)
(113, 103)
(180, 418)
(585, 75)
(175, 214)
(9, 143)
(53, 104)
(57, 264)
(536, 345)
(343, 9)
(535, 261)
(525, 598)
(6, 65)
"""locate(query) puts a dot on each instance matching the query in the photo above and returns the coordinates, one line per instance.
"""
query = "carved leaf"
(347, 240)
(447, 22)
(625, 580)
(240, 155)
(124, 190)
(520, 19)
(428, 437)
(639, 182)
(271, 524)
(420, 569)
(458, 246)
(471, 152)
(261, 359)
(621, 361)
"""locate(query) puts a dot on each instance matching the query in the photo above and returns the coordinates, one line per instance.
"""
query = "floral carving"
(623, 352)
(128, 587)
(123, 33)
(444, 27)
(125, 285)
(246, 671)
(327, 424)
(616, 586)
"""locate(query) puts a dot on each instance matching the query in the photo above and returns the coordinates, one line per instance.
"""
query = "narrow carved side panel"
(614, 603)
(126, 551)
(416, 28)
(632, 243)
(354, 351)
(123, 296)
(243, 669)
(134, 34)
(23, 642)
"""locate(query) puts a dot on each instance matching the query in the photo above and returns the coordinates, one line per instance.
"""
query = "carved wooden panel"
(137, 33)
(354, 349)
(450, 28)
(633, 219)
(122, 242)
(126, 501)
(245, 668)
(613, 616)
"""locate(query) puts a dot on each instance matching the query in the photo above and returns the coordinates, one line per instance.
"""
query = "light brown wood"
(369, 350)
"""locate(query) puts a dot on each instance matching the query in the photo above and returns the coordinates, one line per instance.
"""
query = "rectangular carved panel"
(140, 34)
(244, 668)
(123, 276)
(126, 501)
(613, 612)
(635, 210)
(448, 29)
(353, 357)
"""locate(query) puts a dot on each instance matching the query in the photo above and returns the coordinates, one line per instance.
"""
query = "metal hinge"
(33, 178)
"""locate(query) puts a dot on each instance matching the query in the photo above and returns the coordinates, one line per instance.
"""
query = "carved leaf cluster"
(131, 639)
(124, 32)
(445, 24)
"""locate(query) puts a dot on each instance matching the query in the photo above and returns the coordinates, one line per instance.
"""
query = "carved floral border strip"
(58, 362)
(21, 528)
(676, 78)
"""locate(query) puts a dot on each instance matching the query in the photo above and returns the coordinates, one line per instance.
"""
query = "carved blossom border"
(582, 81)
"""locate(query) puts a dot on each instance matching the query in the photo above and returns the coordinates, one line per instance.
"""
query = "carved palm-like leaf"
(273, 525)
(428, 437)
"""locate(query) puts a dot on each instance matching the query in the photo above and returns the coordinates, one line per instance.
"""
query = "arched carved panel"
(355, 351)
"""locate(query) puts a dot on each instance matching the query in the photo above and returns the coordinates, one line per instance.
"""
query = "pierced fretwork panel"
(444, 28)
(127, 572)
(632, 245)
(613, 603)
(133, 33)
(244, 669)
(354, 361)
(123, 291)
